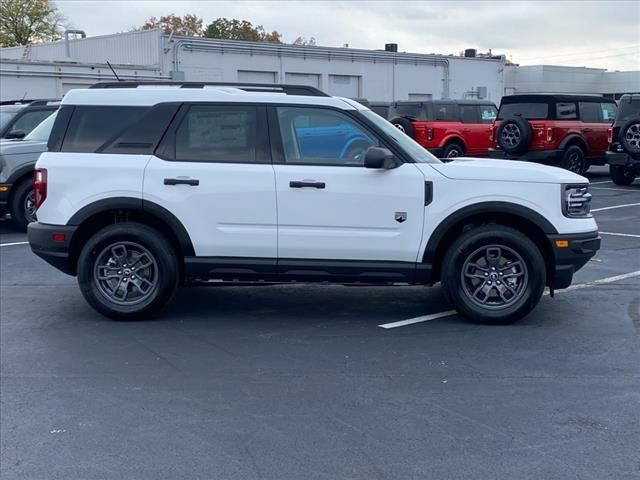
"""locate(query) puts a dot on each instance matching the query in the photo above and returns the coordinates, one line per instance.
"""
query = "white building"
(50, 70)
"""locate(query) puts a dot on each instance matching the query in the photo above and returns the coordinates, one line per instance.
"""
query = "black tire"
(514, 135)
(404, 125)
(621, 175)
(453, 150)
(630, 137)
(163, 273)
(573, 160)
(21, 198)
(457, 286)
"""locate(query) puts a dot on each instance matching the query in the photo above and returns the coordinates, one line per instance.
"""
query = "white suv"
(147, 187)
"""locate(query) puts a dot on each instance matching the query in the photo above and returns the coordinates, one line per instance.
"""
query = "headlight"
(576, 201)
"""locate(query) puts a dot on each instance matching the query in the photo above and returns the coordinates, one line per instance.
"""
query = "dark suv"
(623, 155)
(568, 131)
(447, 128)
(19, 117)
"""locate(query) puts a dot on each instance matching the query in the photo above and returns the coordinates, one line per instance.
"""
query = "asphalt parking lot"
(301, 382)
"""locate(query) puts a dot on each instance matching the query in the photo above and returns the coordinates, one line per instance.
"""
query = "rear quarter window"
(566, 111)
(93, 127)
(445, 112)
(530, 111)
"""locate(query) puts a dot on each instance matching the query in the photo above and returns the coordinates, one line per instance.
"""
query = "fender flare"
(454, 137)
(483, 208)
(140, 205)
(20, 172)
(571, 138)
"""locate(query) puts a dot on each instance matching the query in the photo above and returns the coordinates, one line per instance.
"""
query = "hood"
(12, 147)
(505, 171)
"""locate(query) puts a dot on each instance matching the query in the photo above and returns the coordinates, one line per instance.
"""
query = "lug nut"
(489, 283)
(119, 272)
(500, 273)
(486, 274)
(498, 282)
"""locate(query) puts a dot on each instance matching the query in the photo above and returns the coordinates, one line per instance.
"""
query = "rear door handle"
(306, 183)
(585, 130)
(194, 182)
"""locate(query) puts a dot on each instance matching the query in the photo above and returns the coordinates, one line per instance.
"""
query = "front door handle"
(306, 183)
(194, 182)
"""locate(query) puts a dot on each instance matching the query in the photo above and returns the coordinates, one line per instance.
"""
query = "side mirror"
(15, 134)
(376, 157)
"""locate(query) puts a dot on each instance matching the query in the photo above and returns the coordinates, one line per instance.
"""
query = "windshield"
(42, 131)
(6, 115)
(417, 153)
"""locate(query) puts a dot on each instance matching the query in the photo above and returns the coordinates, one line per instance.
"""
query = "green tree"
(240, 30)
(189, 25)
(28, 21)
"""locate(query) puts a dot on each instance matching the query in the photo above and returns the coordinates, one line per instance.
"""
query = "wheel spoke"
(146, 264)
(119, 253)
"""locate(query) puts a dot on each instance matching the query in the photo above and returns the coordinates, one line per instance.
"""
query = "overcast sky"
(602, 34)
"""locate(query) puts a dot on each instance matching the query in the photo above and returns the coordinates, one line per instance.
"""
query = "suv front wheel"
(127, 271)
(493, 274)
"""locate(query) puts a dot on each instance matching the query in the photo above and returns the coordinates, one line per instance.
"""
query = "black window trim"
(166, 148)
(24, 111)
(277, 150)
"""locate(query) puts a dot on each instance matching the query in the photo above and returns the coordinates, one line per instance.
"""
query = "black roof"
(547, 98)
(457, 102)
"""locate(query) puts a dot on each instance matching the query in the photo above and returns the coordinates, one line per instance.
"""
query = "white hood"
(505, 171)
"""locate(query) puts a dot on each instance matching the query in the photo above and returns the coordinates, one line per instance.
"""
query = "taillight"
(39, 186)
(549, 134)
(429, 133)
(609, 135)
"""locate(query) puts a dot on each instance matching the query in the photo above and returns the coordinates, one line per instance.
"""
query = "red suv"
(568, 131)
(447, 128)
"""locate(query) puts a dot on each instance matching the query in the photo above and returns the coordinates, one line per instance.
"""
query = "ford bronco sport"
(568, 131)
(447, 128)
(145, 189)
(623, 155)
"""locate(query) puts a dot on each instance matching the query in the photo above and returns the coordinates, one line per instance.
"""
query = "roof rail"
(303, 90)
(31, 102)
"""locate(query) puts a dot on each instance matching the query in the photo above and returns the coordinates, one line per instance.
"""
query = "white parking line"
(620, 234)
(448, 313)
(615, 206)
(615, 189)
(13, 243)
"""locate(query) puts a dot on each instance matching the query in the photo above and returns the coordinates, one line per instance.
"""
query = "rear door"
(476, 133)
(333, 209)
(213, 172)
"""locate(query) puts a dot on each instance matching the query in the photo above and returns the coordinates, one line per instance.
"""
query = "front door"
(333, 209)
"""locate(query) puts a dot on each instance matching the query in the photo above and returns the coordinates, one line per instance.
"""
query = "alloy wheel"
(126, 273)
(30, 207)
(632, 136)
(494, 277)
(511, 134)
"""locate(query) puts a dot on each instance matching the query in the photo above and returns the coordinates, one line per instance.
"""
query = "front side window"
(42, 131)
(608, 112)
(488, 113)
(220, 133)
(6, 114)
(318, 136)
(566, 111)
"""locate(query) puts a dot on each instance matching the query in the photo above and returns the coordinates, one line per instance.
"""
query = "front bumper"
(546, 157)
(568, 260)
(55, 253)
(622, 159)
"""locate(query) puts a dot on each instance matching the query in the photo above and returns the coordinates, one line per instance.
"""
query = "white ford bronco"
(146, 187)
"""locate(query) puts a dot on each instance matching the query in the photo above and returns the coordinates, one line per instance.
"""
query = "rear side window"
(608, 112)
(222, 133)
(445, 112)
(92, 127)
(468, 113)
(414, 111)
(488, 113)
(530, 111)
(590, 112)
(566, 111)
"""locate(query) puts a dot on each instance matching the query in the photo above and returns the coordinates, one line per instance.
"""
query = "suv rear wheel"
(404, 125)
(493, 274)
(127, 270)
(23, 204)
(621, 175)
(573, 160)
(514, 135)
(453, 150)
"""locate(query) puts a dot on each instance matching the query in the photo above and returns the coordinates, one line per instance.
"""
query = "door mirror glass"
(16, 134)
(376, 157)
